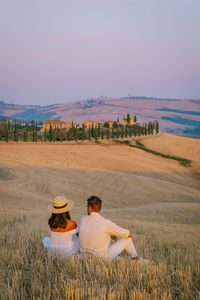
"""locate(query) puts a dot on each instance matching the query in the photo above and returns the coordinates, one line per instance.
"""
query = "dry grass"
(29, 272)
(157, 199)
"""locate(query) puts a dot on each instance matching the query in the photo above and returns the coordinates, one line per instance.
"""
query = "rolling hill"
(180, 116)
(157, 199)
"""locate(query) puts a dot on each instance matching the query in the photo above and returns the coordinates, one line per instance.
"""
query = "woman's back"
(63, 230)
(65, 242)
(71, 225)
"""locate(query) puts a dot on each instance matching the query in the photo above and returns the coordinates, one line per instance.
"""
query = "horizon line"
(103, 98)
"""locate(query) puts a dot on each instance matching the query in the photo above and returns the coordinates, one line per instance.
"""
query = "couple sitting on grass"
(92, 235)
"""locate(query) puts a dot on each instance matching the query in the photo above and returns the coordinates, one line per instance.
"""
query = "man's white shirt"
(95, 232)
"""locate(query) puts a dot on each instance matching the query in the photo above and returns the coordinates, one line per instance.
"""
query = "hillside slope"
(123, 176)
(174, 115)
(157, 199)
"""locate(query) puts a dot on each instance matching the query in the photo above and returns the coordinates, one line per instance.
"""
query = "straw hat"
(60, 205)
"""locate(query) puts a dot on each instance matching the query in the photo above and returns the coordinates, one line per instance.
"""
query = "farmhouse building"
(55, 124)
(124, 121)
(88, 123)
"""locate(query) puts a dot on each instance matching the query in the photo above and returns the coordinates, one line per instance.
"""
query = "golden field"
(156, 198)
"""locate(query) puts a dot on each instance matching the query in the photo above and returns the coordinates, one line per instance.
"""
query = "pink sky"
(57, 51)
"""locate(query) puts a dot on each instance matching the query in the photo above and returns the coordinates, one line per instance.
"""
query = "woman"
(63, 230)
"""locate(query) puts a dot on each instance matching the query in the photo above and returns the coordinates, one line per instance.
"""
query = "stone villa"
(124, 121)
(88, 123)
(55, 124)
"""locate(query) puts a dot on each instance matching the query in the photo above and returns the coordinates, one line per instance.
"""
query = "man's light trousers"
(122, 244)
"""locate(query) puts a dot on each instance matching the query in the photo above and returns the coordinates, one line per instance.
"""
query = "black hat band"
(60, 206)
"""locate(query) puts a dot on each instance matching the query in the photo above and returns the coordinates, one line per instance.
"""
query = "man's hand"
(130, 235)
(114, 237)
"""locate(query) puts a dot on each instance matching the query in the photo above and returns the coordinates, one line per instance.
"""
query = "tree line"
(30, 132)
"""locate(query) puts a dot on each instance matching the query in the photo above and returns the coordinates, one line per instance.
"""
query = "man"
(95, 233)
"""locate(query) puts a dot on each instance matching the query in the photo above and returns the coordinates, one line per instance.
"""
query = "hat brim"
(58, 210)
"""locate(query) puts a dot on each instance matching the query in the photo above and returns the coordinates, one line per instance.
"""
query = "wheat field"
(157, 199)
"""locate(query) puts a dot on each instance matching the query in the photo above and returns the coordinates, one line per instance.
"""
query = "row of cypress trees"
(16, 131)
(30, 132)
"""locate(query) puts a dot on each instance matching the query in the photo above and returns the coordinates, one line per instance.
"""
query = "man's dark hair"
(95, 203)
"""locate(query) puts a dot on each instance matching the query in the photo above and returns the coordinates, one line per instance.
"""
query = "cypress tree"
(122, 132)
(99, 129)
(26, 132)
(53, 135)
(74, 131)
(16, 133)
(135, 119)
(36, 132)
(33, 131)
(69, 135)
(113, 134)
(3, 127)
(149, 128)
(56, 134)
(128, 118)
(24, 135)
(92, 130)
(89, 134)
(12, 131)
(102, 133)
(152, 127)
(126, 132)
(139, 131)
(61, 135)
(76, 134)
(6, 134)
(108, 133)
(33, 135)
(135, 131)
(150, 124)
(45, 135)
(1, 135)
(130, 131)
(50, 133)
(117, 131)
(142, 129)
(96, 133)
(145, 128)
(83, 132)
(157, 127)
(9, 125)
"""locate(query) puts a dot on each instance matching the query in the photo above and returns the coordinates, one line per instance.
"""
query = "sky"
(55, 51)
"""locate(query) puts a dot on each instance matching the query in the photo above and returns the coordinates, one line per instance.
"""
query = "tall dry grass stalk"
(27, 271)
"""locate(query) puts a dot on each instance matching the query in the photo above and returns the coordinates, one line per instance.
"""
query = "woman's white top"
(64, 243)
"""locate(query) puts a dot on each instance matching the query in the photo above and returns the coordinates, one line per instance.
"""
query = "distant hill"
(180, 116)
